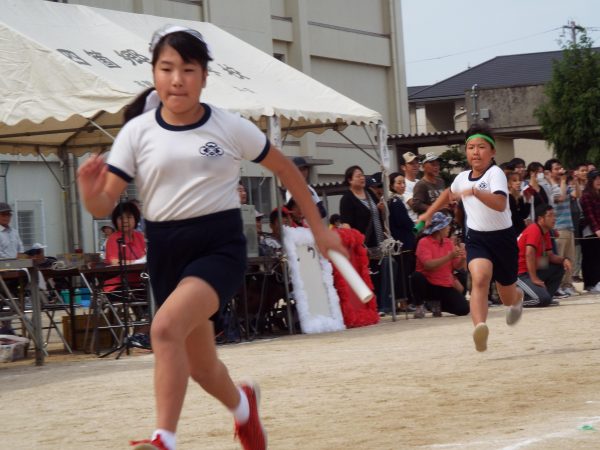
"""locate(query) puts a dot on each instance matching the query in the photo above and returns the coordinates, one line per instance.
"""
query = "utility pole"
(574, 29)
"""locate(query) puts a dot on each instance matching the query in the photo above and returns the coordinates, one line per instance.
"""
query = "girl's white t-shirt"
(479, 216)
(188, 171)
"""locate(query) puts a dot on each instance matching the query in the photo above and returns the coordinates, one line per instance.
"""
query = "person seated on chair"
(296, 216)
(540, 269)
(433, 281)
(270, 244)
(126, 245)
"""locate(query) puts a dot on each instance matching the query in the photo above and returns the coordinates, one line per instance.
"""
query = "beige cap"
(409, 157)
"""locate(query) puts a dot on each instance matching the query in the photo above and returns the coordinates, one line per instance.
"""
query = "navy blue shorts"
(500, 247)
(211, 247)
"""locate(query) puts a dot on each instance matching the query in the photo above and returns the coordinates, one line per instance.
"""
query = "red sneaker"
(251, 434)
(147, 444)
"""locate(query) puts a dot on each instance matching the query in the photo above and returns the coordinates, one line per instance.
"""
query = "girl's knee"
(480, 283)
(164, 330)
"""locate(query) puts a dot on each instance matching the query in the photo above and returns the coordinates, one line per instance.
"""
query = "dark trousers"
(380, 276)
(590, 269)
(537, 295)
(406, 265)
(451, 300)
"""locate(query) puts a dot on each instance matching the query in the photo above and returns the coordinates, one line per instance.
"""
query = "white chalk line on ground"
(515, 444)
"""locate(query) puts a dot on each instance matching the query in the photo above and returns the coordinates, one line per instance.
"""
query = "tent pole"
(63, 154)
(384, 162)
(101, 129)
(78, 218)
(358, 147)
(275, 138)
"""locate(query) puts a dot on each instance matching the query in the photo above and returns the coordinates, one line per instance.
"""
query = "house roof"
(413, 142)
(412, 90)
(510, 70)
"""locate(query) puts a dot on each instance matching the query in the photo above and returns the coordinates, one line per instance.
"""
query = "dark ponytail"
(136, 107)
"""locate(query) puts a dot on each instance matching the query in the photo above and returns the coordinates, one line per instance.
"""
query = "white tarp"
(62, 64)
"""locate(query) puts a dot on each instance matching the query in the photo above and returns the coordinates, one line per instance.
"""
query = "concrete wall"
(511, 108)
(29, 180)
(440, 116)
(533, 150)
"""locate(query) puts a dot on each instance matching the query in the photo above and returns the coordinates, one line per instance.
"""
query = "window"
(131, 191)
(29, 217)
(259, 193)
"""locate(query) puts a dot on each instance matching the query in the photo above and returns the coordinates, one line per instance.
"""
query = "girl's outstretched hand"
(329, 240)
(91, 177)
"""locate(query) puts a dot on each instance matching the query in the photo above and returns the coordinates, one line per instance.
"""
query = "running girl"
(491, 242)
(184, 157)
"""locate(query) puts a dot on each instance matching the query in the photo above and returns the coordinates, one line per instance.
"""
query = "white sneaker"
(480, 337)
(595, 289)
(570, 291)
(514, 312)
(561, 293)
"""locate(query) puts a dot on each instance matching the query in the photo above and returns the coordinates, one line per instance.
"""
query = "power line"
(484, 48)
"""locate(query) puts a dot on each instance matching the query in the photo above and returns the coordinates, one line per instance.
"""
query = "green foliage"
(570, 118)
(453, 161)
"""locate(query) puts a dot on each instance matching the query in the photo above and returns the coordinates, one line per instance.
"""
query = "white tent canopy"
(63, 66)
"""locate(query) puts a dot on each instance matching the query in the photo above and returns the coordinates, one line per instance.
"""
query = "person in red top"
(434, 281)
(130, 243)
(540, 269)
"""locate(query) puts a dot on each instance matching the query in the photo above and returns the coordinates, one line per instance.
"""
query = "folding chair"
(119, 311)
(51, 302)
(10, 309)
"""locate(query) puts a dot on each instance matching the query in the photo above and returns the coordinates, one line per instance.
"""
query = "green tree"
(570, 118)
(453, 160)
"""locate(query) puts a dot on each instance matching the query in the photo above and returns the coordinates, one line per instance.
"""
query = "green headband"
(482, 136)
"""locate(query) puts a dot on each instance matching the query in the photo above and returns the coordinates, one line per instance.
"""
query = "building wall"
(30, 181)
(511, 108)
(532, 150)
(440, 116)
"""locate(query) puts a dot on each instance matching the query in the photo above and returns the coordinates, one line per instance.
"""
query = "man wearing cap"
(304, 168)
(375, 183)
(410, 166)
(431, 185)
(10, 241)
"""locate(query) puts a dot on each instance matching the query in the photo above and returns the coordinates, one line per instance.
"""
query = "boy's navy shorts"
(500, 247)
(211, 247)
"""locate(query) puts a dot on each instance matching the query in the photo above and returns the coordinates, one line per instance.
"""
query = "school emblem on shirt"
(482, 186)
(211, 149)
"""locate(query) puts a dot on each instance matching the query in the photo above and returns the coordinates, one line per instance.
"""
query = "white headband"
(168, 29)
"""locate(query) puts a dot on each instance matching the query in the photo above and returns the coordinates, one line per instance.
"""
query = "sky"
(445, 37)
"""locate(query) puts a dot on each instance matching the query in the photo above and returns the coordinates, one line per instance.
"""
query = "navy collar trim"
(199, 123)
(472, 178)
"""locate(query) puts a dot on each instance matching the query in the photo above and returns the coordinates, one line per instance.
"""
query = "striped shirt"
(563, 211)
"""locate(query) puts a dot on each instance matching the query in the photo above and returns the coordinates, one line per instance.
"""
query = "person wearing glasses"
(10, 241)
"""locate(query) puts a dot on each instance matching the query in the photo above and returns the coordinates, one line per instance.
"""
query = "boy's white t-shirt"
(479, 216)
(188, 171)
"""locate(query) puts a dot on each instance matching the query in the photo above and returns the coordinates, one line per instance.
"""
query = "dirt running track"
(403, 385)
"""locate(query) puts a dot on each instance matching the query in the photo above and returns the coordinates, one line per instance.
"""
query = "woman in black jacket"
(361, 209)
